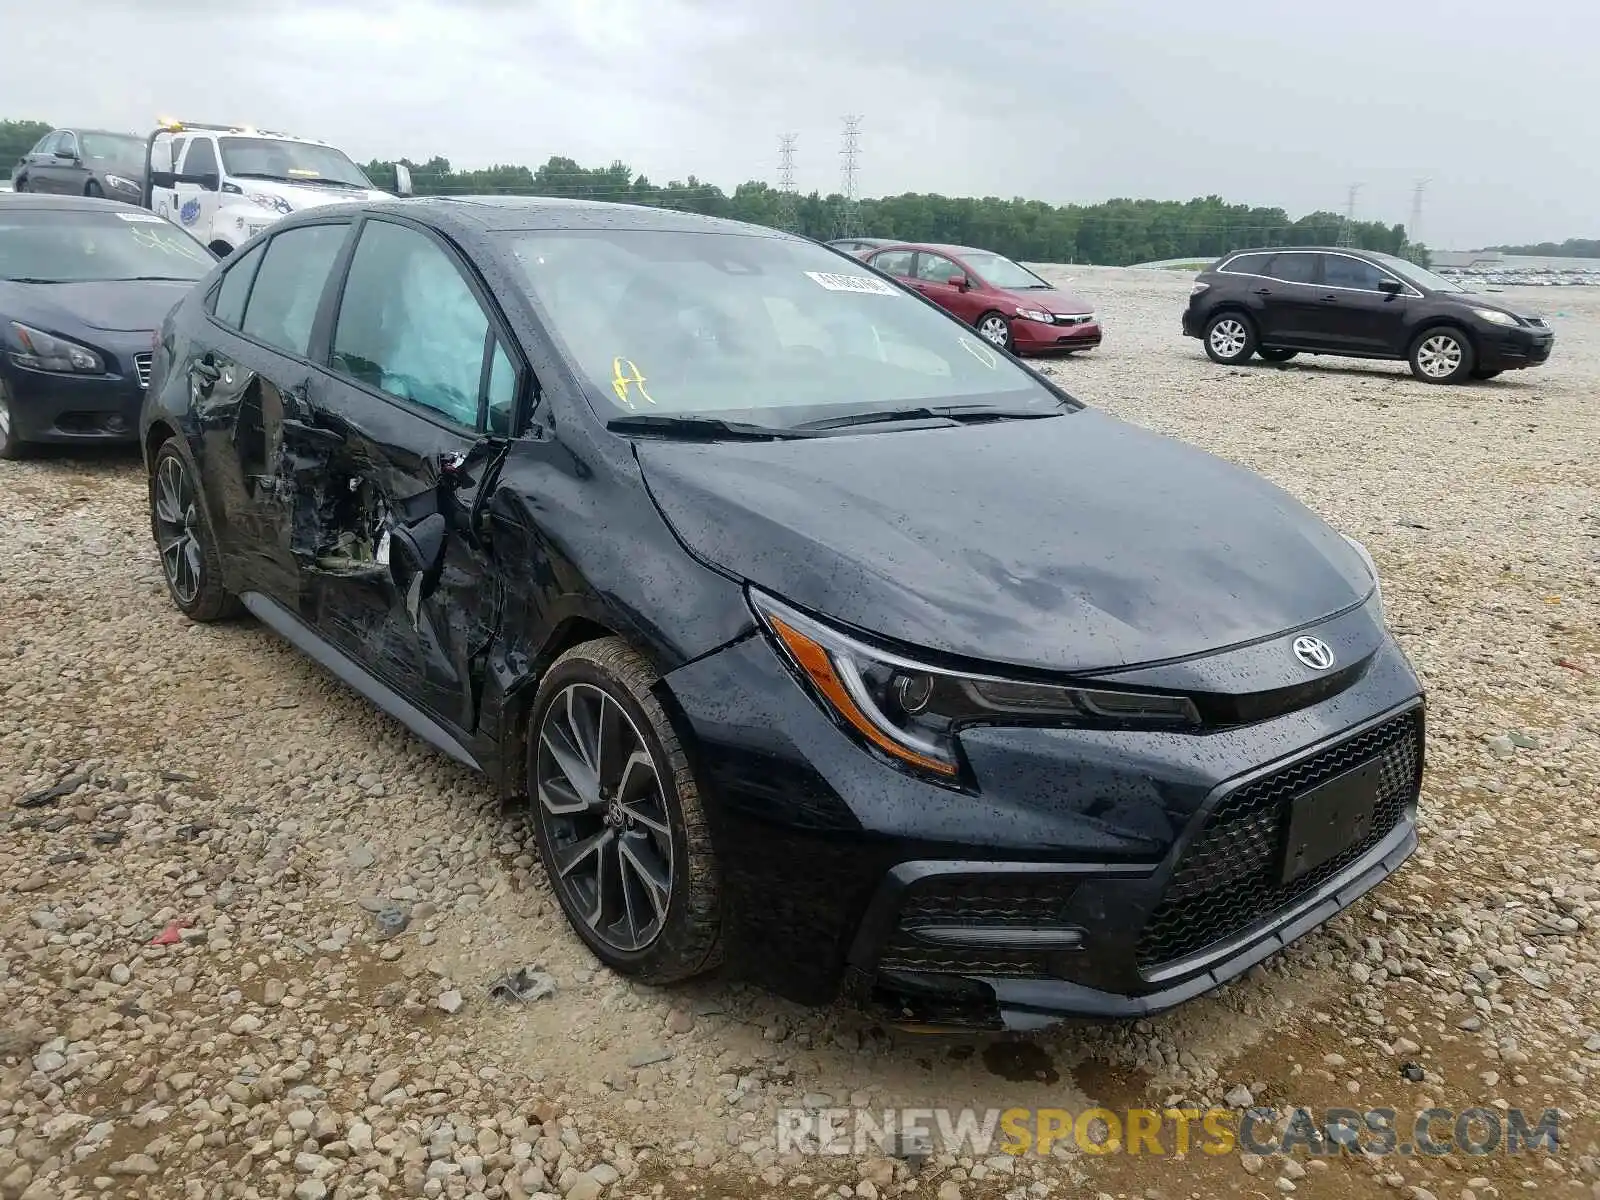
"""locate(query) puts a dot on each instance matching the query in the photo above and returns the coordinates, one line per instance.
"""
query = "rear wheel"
(190, 559)
(618, 816)
(93, 190)
(1230, 339)
(20, 183)
(1272, 354)
(995, 329)
(1441, 355)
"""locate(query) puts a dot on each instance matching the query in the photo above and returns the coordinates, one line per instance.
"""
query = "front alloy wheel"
(189, 557)
(618, 817)
(1441, 355)
(995, 330)
(11, 445)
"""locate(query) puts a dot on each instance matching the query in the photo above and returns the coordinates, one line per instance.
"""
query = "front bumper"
(54, 407)
(1031, 337)
(1510, 349)
(1152, 854)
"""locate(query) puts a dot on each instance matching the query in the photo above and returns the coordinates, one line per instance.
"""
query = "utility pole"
(1347, 235)
(849, 154)
(1414, 229)
(788, 216)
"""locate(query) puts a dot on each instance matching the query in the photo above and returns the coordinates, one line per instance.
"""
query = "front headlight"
(1035, 314)
(42, 351)
(123, 184)
(912, 711)
(1372, 569)
(276, 203)
(1494, 316)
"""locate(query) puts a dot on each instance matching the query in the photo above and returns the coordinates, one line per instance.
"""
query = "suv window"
(1339, 270)
(894, 262)
(44, 145)
(202, 157)
(1300, 267)
(935, 268)
(1246, 264)
(409, 325)
(289, 283)
(235, 288)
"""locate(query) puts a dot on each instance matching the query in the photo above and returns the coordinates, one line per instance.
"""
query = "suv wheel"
(1441, 355)
(618, 816)
(1230, 338)
(190, 559)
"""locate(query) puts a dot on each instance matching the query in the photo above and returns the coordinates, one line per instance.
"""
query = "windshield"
(1002, 272)
(291, 162)
(765, 330)
(120, 150)
(1420, 276)
(45, 246)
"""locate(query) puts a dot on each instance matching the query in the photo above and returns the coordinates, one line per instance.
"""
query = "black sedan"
(821, 638)
(84, 162)
(84, 285)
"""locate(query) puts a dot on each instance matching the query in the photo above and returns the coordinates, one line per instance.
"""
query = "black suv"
(1357, 304)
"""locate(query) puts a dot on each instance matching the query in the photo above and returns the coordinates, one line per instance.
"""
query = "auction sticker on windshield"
(141, 218)
(852, 283)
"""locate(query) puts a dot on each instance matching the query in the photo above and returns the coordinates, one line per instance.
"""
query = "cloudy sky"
(1273, 102)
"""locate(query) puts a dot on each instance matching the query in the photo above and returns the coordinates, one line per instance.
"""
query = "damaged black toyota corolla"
(822, 639)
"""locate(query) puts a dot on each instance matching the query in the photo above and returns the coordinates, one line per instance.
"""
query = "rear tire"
(94, 191)
(1442, 354)
(1274, 355)
(1230, 339)
(191, 562)
(618, 818)
(11, 444)
(20, 183)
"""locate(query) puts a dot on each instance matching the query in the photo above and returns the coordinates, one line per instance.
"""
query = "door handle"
(1263, 291)
(1330, 299)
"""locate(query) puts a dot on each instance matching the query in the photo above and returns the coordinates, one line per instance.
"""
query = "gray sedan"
(84, 162)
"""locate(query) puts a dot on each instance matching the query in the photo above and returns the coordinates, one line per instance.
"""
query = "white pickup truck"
(226, 183)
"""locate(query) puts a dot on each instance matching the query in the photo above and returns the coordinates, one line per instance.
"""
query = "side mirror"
(959, 282)
(402, 179)
(69, 155)
(416, 558)
(162, 179)
(1390, 287)
(210, 181)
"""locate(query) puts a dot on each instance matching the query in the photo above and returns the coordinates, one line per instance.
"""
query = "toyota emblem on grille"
(1314, 652)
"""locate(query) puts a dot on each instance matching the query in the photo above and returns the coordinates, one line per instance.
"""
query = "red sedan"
(1004, 301)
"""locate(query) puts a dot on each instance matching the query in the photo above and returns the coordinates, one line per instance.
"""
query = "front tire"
(618, 817)
(11, 444)
(1230, 339)
(993, 328)
(191, 562)
(1441, 355)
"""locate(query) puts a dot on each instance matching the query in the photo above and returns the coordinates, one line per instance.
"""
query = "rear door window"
(1299, 267)
(235, 288)
(894, 262)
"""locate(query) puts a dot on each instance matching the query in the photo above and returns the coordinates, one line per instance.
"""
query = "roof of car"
(935, 247)
(16, 200)
(560, 212)
(1320, 249)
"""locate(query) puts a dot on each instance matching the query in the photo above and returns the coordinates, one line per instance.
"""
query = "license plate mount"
(1330, 818)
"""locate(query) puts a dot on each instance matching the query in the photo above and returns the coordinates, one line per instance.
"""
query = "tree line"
(1571, 248)
(1113, 233)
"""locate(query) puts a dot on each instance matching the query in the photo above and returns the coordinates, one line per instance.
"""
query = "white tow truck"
(226, 183)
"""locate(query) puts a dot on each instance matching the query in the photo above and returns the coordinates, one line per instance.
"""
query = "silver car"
(84, 162)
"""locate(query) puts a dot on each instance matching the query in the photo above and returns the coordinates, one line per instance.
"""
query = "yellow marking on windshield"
(621, 379)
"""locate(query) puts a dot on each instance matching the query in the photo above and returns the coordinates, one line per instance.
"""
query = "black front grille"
(1229, 877)
(977, 902)
(1536, 322)
(141, 364)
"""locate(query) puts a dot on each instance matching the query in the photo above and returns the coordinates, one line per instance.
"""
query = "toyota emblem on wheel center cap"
(1314, 652)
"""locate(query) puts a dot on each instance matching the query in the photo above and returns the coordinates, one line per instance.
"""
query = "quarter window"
(894, 262)
(1293, 268)
(1246, 264)
(409, 325)
(289, 283)
(1338, 270)
(235, 288)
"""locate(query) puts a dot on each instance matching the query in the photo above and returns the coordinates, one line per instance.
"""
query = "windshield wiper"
(964, 413)
(34, 279)
(713, 428)
(151, 279)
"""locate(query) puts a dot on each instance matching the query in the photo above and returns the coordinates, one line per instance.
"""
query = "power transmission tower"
(1347, 234)
(1414, 229)
(788, 216)
(849, 154)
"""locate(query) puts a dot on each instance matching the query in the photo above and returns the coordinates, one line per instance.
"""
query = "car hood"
(306, 195)
(1054, 300)
(1075, 543)
(118, 306)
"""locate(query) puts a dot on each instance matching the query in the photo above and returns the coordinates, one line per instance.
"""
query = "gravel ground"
(248, 925)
